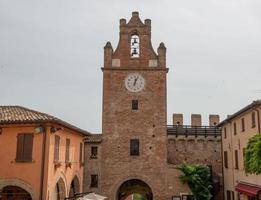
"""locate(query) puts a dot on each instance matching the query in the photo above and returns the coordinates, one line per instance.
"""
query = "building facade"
(41, 156)
(136, 151)
(237, 129)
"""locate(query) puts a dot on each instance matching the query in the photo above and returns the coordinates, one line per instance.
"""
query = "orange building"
(41, 156)
(237, 129)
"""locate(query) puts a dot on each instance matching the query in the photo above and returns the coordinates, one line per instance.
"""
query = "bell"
(134, 51)
(135, 41)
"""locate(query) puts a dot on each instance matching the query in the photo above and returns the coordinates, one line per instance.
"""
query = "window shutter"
(56, 148)
(80, 156)
(236, 159)
(67, 151)
(253, 119)
(225, 159)
(28, 147)
(235, 128)
(19, 148)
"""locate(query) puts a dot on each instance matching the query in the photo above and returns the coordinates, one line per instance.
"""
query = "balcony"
(187, 130)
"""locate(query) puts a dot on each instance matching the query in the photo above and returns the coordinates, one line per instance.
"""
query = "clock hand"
(135, 81)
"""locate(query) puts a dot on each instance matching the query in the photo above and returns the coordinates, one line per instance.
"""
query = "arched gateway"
(132, 187)
(11, 192)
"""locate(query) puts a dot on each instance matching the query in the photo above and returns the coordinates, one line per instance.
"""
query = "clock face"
(134, 82)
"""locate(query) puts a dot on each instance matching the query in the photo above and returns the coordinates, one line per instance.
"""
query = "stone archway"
(11, 192)
(74, 187)
(134, 187)
(60, 190)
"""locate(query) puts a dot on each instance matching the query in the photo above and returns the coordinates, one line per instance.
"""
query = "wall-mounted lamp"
(39, 129)
(54, 129)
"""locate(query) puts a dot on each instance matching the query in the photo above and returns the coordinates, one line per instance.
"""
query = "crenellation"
(213, 120)
(196, 120)
(177, 119)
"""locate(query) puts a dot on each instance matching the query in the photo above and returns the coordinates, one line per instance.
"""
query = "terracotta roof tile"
(21, 115)
(93, 138)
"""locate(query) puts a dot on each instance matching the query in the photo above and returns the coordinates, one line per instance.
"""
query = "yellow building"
(237, 129)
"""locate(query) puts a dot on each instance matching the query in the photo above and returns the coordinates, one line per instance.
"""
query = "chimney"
(213, 120)
(177, 119)
(196, 120)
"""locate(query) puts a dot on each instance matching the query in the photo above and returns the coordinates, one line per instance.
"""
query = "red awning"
(249, 190)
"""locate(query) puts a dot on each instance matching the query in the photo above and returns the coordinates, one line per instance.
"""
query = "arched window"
(135, 46)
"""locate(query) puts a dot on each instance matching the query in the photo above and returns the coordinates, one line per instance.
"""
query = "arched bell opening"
(134, 189)
(135, 46)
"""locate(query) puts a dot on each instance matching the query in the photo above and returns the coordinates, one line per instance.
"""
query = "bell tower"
(134, 114)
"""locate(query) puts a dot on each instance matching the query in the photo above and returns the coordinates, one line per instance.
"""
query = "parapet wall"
(196, 119)
(196, 144)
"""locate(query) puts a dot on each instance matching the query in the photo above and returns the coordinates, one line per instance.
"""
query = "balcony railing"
(187, 130)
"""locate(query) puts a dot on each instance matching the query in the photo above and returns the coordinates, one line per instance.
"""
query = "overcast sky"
(51, 52)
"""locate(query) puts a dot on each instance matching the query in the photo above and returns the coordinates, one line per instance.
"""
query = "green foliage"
(252, 157)
(138, 197)
(198, 178)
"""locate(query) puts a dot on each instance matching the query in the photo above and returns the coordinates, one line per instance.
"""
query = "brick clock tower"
(133, 150)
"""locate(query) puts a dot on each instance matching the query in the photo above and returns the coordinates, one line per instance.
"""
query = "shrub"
(252, 155)
(198, 178)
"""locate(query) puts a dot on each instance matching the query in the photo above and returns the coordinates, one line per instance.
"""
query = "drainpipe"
(42, 164)
(222, 157)
(232, 152)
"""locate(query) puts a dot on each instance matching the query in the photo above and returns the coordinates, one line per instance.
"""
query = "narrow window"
(225, 159)
(253, 120)
(235, 128)
(236, 159)
(228, 195)
(94, 180)
(56, 148)
(135, 46)
(134, 147)
(225, 132)
(67, 150)
(94, 152)
(243, 124)
(24, 148)
(81, 154)
(135, 104)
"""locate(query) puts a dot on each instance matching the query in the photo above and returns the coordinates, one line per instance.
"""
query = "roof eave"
(246, 108)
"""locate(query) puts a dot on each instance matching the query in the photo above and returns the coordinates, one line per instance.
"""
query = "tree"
(198, 178)
(138, 197)
(252, 155)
